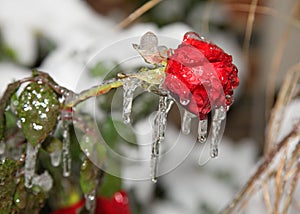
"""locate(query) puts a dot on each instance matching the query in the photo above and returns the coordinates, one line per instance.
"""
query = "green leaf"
(8, 183)
(6, 52)
(110, 185)
(126, 132)
(5, 100)
(38, 111)
(88, 176)
(53, 145)
(94, 148)
(103, 68)
(115, 131)
(20, 196)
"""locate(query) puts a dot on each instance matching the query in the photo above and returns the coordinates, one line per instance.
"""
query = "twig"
(277, 113)
(263, 168)
(94, 91)
(275, 64)
(249, 27)
(291, 190)
(279, 183)
(137, 13)
(263, 10)
(266, 196)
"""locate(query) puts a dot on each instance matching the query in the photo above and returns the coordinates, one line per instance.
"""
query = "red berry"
(119, 203)
(200, 75)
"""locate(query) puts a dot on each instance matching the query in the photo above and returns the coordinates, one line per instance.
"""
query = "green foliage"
(88, 176)
(5, 100)
(115, 132)
(14, 198)
(38, 110)
(109, 186)
(6, 52)
(37, 107)
(8, 183)
(53, 145)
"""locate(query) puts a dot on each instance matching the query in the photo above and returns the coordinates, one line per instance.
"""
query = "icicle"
(30, 161)
(160, 124)
(90, 201)
(202, 130)
(55, 158)
(186, 122)
(218, 117)
(66, 156)
(44, 181)
(129, 87)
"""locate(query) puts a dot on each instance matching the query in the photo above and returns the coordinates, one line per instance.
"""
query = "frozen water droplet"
(148, 42)
(55, 158)
(30, 162)
(186, 122)
(191, 35)
(163, 51)
(66, 156)
(2, 148)
(44, 180)
(19, 124)
(216, 132)
(202, 131)
(160, 125)
(129, 86)
(90, 201)
(184, 102)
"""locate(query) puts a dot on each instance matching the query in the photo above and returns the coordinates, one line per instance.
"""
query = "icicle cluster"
(66, 155)
(44, 180)
(218, 118)
(30, 163)
(160, 125)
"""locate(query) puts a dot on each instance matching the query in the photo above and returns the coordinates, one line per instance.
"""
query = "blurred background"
(61, 37)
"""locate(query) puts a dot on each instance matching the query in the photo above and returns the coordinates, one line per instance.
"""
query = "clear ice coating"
(90, 201)
(217, 121)
(30, 162)
(129, 86)
(160, 125)
(66, 156)
(202, 131)
(186, 122)
(55, 158)
(44, 181)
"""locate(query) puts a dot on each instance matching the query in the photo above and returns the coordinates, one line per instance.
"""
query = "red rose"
(200, 75)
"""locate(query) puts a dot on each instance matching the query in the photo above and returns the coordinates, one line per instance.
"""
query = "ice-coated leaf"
(5, 100)
(8, 183)
(88, 176)
(94, 147)
(38, 111)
